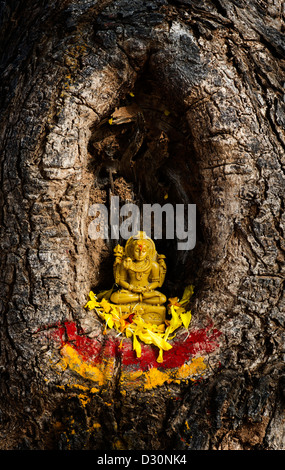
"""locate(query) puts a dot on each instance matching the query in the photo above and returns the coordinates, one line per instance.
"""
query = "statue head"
(140, 247)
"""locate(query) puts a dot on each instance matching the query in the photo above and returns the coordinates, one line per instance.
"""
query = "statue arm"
(162, 269)
(122, 276)
(116, 271)
(119, 253)
(125, 284)
(155, 277)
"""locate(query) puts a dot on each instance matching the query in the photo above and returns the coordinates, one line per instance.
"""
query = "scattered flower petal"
(135, 327)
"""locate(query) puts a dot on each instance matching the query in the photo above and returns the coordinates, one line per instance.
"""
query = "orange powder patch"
(103, 372)
(74, 361)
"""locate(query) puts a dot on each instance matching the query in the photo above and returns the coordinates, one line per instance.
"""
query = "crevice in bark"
(145, 155)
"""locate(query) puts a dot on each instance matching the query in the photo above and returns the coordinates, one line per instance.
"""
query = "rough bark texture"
(218, 68)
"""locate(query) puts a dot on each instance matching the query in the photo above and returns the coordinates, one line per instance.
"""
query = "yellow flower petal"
(109, 320)
(161, 327)
(92, 295)
(186, 318)
(160, 356)
(173, 301)
(137, 346)
(92, 303)
(175, 321)
(128, 332)
(106, 306)
(187, 294)
(149, 337)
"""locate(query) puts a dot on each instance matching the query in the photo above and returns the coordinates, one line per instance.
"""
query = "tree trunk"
(204, 81)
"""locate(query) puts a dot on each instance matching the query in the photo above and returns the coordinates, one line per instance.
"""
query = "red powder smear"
(141, 245)
(109, 348)
(88, 348)
(148, 357)
(198, 341)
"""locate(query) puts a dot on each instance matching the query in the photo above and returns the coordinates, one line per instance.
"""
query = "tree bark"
(207, 128)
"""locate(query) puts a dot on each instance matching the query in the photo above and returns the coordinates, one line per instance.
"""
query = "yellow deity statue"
(138, 271)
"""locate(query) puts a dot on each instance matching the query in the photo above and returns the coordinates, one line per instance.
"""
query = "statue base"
(154, 314)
